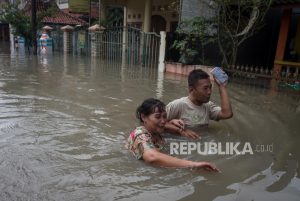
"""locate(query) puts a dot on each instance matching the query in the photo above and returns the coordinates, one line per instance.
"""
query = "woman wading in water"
(145, 142)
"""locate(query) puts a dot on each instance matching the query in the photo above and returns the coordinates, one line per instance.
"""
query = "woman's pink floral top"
(141, 139)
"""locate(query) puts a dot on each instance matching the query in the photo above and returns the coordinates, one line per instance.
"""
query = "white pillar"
(124, 45)
(160, 85)
(125, 16)
(67, 40)
(124, 38)
(162, 51)
(11, 37)
(96, 39)
(147, 16)
(99, 10)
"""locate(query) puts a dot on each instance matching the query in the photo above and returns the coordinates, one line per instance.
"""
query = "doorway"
(158, 23)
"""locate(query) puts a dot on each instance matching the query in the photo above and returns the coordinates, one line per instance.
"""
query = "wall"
(162, 8)
(194, 8)
(62, 4)
(135, 12)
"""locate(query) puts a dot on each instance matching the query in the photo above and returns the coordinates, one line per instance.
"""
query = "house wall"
(62, 4)
(162, 8)
(194, 8)
(135, 12)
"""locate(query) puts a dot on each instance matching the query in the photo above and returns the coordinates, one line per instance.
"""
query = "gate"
(127, 44)
(57, 37)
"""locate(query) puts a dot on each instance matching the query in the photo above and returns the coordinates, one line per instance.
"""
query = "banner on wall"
(81, 39)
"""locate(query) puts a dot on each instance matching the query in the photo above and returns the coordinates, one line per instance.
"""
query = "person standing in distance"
(186, 114)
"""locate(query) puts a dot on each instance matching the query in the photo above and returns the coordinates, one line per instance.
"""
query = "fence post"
(124, 44)
(68, 30)
(94, 49)
(162, 52)
(96, 39)
(141, 52)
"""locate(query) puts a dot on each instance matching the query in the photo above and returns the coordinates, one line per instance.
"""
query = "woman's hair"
(148, 107)
(196, 75)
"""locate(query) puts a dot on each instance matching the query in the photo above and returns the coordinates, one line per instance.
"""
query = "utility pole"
(90, 10)
(100, 13)
(33, 26)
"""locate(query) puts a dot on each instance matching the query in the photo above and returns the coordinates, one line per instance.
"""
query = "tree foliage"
(20, 21)
(232, 23)
(195, 34)
(236, 21)
(114, 17)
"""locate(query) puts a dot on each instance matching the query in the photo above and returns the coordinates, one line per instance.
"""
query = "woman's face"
(155, 122)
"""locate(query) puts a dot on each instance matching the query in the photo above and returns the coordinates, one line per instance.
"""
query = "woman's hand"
(207, 166)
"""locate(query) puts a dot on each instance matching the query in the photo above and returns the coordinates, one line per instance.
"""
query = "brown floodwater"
(64, 120)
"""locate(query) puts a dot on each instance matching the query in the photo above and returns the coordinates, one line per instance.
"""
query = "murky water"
(64, 120)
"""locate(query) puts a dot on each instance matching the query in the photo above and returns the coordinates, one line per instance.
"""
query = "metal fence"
(128, 45)
(287, 73)
(57, 37)
(118, 44)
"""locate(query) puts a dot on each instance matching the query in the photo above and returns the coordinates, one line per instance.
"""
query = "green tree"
(195, 34)
(232, 22)
(236, 21)
(21, 22)
(114, 16)
(18, 19)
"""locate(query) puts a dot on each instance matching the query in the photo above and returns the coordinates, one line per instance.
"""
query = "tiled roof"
(64, 18)
(59, 17)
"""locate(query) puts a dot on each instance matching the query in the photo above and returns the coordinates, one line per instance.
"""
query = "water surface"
(64, 120)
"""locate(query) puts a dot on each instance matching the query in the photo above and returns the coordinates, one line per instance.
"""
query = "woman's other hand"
(206, 166)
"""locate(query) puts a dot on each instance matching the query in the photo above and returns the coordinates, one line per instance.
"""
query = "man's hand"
(226, 110)
(178, 123)
(177, 126)
(190, 134)
(218, 83)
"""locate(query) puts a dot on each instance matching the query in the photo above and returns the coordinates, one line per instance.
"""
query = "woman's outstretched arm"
(154, 157)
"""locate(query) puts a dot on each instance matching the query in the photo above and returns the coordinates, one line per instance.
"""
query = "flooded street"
(64, 120)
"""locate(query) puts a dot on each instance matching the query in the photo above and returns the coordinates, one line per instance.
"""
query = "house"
(278, 40)
(288, 44)
(148, 15)
(87, 12)
(59, 18)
